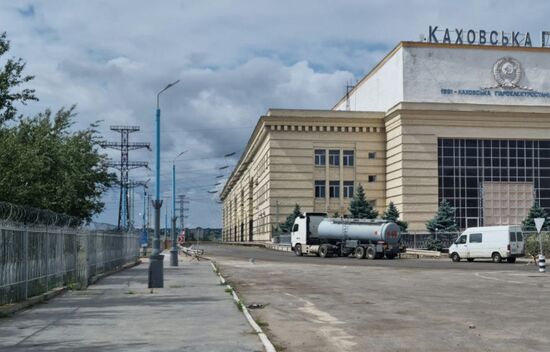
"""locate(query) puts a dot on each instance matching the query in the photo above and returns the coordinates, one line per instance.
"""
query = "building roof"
(409, 44)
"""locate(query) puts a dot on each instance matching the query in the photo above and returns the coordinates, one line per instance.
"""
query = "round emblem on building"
(507, 72)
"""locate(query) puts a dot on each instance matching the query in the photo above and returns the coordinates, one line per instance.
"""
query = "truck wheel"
(359, 252)
(497, 258)
(455, 257)
(390, 256)
(323, 251)
(371, 253)
(298, 250)
(511, 259)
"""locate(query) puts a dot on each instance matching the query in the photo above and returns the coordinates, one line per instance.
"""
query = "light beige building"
(465, 123)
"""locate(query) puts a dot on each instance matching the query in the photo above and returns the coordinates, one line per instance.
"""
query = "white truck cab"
(495, 242)
(304, 236)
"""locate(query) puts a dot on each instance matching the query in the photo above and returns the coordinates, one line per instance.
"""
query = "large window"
(492, 182)
(334, 189)
(320, 157)
(348, 189)
(334, 157)
(348, 158)
(320, 189)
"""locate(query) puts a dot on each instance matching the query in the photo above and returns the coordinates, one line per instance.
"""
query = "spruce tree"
(289, 222)
(444, 220)
(536, 211)
(392, 214)
(360, 208)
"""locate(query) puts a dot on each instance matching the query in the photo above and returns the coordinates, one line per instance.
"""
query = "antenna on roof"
(349, 87)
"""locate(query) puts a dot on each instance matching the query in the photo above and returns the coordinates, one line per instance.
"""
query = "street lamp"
(156, 268)
(174, 250)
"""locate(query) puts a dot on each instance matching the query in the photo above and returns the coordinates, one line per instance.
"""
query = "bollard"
(542, 264)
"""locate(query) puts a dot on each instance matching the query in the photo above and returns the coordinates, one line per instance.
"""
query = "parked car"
(494, 242)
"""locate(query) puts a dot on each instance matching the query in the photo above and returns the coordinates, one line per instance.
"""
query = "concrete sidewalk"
(119, 313)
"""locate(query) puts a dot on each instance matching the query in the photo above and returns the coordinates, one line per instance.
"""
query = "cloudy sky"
(234, 60)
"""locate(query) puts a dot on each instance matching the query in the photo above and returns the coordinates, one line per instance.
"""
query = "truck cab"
(304, 236)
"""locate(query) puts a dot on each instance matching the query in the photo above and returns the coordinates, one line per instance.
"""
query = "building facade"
(465, 123)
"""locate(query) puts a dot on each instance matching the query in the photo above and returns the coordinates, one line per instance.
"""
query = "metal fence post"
(26, 259)
(46, 257)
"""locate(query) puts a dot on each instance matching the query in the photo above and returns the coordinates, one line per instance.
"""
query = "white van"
(495, 242)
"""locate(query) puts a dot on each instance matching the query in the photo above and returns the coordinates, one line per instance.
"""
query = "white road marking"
(509, 273)
(335, 335)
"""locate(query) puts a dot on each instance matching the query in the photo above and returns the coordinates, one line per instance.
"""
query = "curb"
(11, 309)
(263, 337)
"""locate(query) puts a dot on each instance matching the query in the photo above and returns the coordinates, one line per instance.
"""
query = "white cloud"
(235, 59)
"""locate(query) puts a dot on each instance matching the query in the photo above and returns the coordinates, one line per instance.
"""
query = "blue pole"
(157, 203)
(173, 189)
(156, 266)
(158, 156)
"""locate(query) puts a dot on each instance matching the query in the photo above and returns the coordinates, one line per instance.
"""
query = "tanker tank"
(359, 229)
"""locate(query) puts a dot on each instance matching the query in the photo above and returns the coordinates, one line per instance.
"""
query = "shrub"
(532, 245)
(434, 245)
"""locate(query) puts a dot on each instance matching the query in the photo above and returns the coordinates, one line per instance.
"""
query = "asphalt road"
(314, 304)
(267, 255)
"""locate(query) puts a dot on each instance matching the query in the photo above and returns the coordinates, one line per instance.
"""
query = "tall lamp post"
(156, 265)
(174, 250)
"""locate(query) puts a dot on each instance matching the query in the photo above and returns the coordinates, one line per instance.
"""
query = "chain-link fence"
(37, 258)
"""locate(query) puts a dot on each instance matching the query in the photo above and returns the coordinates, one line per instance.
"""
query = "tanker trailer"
(360, 237)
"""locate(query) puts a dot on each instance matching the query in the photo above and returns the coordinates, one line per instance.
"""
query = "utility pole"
(182, 210)
(124, 166)
(143, 239)
(131, 187)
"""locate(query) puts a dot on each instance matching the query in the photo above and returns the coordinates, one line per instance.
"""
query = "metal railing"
(37, 258)
(420, 240)
(281, 239)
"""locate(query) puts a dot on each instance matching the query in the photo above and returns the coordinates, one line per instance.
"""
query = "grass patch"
(262, 324)
(175, 286)
(4, 315)
(229, 290)
(130, 292)
(279, 348)
(74, 286)
(239, 306)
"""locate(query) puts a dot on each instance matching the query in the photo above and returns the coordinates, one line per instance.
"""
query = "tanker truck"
(315, 233)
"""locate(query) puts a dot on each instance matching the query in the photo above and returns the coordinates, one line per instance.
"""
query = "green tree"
(359, 207)
(45, 165)
(528, 224)
(289, 222)
(444, 220)
(392, 214)
(11, 78)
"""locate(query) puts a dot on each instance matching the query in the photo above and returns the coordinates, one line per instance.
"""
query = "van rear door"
(513, 245)
(520, 244)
